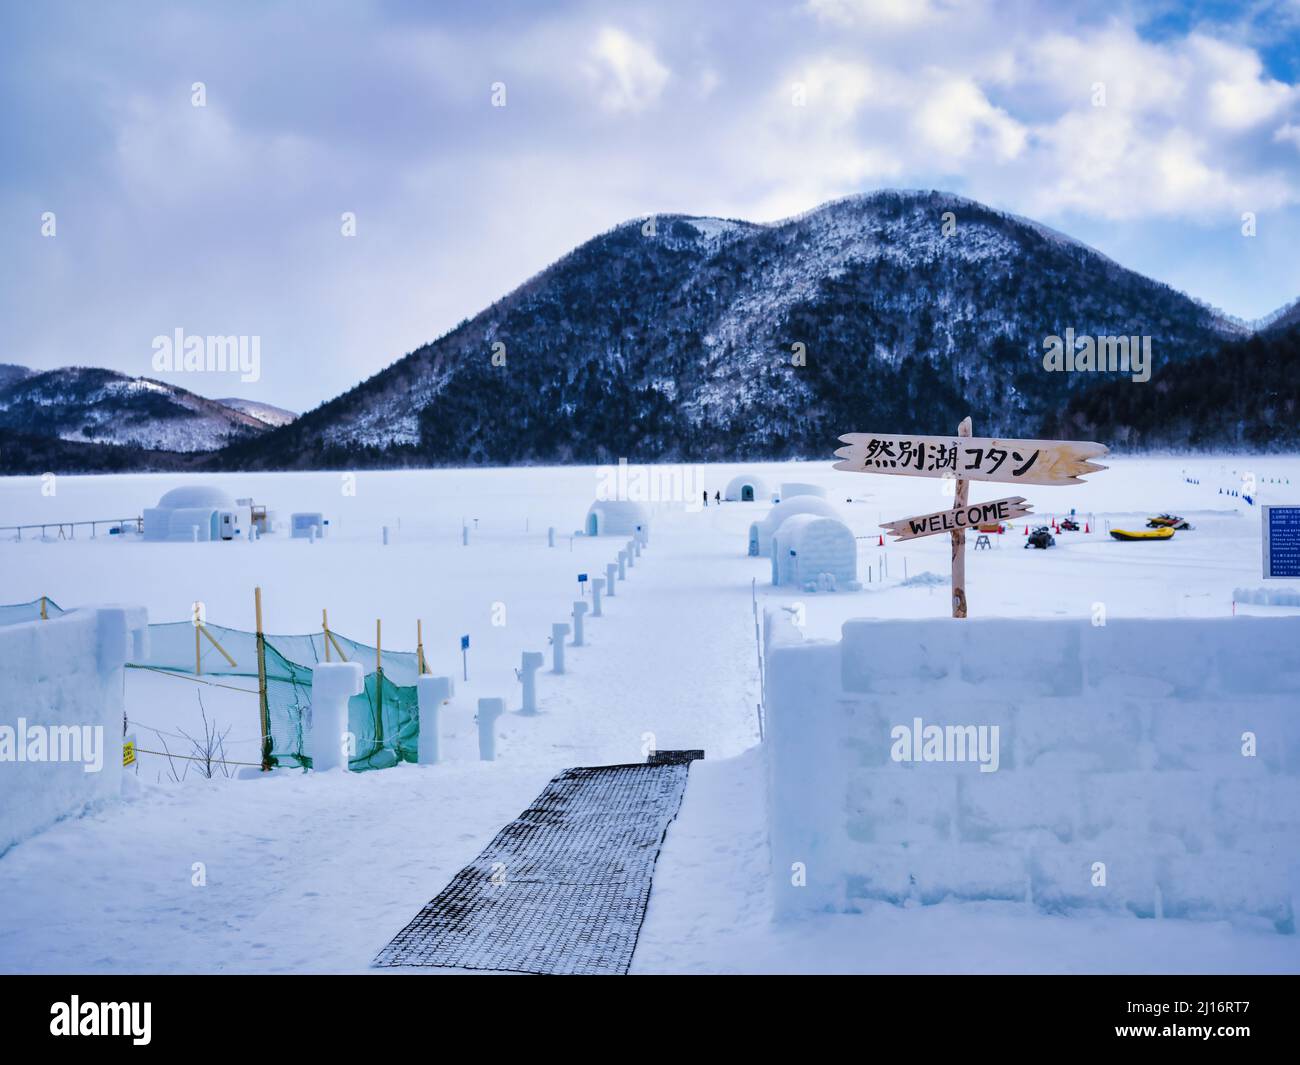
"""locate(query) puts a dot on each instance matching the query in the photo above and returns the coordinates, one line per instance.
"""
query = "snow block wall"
(62, 685)
(1145, 766)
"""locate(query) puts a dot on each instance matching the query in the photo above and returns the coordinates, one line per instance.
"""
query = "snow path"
(671, 665)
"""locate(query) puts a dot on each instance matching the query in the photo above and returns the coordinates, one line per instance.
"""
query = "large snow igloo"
(617, 517)
(761, 532)
(196, 511)
(809, 545)
(745, 489)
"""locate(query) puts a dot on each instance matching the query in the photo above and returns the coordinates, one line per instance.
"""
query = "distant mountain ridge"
(680, 338)
(680, 341)
(86, 405)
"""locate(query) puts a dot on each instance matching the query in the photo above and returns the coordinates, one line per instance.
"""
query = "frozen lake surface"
(312, 873)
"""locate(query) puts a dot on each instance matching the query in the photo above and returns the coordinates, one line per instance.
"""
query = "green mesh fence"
(14, 613)
(384, 718)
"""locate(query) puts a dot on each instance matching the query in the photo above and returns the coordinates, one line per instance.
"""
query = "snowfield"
(298, 872)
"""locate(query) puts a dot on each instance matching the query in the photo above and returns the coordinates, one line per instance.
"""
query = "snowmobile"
(1168, 521)
(1069, 525)
(1165, 532)
(1041, 538)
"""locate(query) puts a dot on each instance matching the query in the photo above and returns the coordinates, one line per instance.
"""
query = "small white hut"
(195, 512)
(760, 533)
(798, 488)
(617, 517)
(745, 489)
(809, 548)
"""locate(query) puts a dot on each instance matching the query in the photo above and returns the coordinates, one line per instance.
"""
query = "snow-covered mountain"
(687, 338)
(703, 338)
(87, 405)
(263, 412)
(11, 373)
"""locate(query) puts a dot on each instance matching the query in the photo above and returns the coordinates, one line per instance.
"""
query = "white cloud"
(625, 72)
(880, 13)
(956, 119)
(1287, 132)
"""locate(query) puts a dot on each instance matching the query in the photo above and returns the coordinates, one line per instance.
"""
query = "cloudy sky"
(1144, 129)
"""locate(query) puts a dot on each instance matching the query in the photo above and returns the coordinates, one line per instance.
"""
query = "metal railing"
(71, 526)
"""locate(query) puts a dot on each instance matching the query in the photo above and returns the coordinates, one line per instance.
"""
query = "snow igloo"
(745, 489)
(809, 547)
(789, 489)
(761, 532)
(194, 512)
(617, 517)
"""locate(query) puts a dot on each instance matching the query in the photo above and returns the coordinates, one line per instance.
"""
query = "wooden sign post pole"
(966, 459)
(962, 497)
(263, 708)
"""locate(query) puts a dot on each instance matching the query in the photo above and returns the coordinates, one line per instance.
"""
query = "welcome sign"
(959, 518)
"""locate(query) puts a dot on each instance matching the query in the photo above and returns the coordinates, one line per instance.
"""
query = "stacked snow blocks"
(1125, 744)
(58, 677)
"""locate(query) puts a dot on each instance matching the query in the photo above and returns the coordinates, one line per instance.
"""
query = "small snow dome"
(196, 495)
(808, 548)
(745, 489)
(617, 517)
(760, 534)
(798, 488)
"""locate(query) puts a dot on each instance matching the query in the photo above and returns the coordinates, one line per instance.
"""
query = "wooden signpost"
(942, 521)
(967, 458)
(970, 458)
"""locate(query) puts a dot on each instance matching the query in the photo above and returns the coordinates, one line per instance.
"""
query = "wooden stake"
(338, 650)
(379, 684)
(325, 628)
(419, 646)
(213, 640)
(959, 539)
(261, 683)
(44, 615)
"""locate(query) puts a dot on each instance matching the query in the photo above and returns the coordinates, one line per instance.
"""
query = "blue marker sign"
(464, 643)
(1281, 531)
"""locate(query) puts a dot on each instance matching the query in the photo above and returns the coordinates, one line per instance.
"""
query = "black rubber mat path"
(561, 889)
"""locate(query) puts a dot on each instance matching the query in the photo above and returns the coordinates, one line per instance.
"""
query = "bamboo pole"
(419, 646)
(261, 683)
(325, 628)
(959, 539)
(198, 648)
(44, 615)
(379, 683)
(213, 640)
(338, 650)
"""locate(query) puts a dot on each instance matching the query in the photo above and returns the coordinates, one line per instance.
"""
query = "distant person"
(706, 497)
(717, 498)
